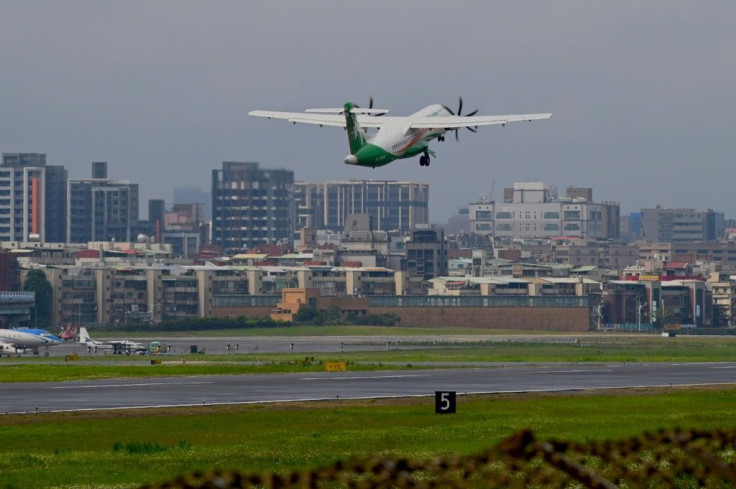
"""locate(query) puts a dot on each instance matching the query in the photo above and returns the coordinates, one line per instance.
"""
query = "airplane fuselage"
(13, 340)
(395, 141)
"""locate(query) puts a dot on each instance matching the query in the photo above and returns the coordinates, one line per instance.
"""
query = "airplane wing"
(455, 122)
(319, 119)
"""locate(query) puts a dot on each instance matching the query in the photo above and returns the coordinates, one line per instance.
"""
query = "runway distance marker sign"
(445, 402)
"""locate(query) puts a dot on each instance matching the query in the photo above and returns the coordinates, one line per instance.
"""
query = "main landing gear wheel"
(424, 160)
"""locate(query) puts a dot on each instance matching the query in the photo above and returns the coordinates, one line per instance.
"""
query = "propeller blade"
(460, 114)
(370, 106)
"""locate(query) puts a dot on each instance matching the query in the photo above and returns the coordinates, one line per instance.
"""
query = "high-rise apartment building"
(393, 206)
(611, 219)
(32, 199)
(101, 209)
(156, 222)
(9, 272)
(426, 252)
(533, 210)
(662, 225)
(251, 206)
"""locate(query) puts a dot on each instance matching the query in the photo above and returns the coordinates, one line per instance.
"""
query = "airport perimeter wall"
(503, 313)
(235, 312)
(522, 318)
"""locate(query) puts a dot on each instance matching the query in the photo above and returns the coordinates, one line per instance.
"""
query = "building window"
(503, 215)
(572, 215)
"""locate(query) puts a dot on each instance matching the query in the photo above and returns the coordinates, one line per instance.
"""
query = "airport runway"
(235, 389)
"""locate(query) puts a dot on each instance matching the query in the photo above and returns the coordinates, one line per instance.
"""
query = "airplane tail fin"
(356, 135)
(84, 336)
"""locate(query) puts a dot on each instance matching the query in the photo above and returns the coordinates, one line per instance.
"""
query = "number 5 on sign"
(445, 402)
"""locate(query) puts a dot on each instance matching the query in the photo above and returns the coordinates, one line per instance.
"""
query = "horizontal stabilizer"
(354, 110)
(336, 110)
(320, 119)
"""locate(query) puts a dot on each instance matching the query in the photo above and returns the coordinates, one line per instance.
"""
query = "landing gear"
(424, 160)
(440, 138)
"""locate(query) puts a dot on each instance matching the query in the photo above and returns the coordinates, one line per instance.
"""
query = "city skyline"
(641, 92)
(202, 196)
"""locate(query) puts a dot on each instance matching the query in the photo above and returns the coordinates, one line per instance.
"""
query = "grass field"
(49, 372)
(124, 449)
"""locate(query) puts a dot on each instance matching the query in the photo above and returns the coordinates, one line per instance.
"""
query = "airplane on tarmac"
(69, 333)
(21, 339)
(397, 137)
(118, 347)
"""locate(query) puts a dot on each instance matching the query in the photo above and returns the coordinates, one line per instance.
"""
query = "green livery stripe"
(372, 155)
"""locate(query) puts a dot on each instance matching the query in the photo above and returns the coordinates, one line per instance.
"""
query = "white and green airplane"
(397, 137)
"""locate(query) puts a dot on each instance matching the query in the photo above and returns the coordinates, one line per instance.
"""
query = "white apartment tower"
(533, 210)
(32, 199)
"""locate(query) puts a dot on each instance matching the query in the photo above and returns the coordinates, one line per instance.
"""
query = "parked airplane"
(397, 137)
(21, 339)
(117, 346)
(69, 333)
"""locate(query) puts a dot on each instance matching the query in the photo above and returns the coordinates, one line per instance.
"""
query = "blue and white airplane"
(21, 339)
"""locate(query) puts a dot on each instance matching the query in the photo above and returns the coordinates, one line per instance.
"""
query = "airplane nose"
(351, 160)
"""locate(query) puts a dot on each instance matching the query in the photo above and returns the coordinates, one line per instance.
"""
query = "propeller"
(370, 106)
(460, 114)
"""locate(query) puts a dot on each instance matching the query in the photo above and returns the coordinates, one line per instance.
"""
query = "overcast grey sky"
(642, 93)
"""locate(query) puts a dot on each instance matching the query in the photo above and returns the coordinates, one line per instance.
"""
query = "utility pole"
(600, 307)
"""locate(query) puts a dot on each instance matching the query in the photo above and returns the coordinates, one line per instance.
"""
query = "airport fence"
(629, 328)
(476, 301)
(668, 458)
